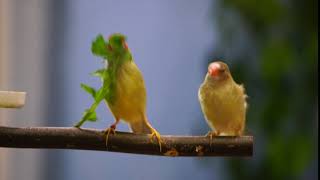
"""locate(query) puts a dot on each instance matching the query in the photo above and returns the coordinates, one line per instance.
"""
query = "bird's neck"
(218, 82)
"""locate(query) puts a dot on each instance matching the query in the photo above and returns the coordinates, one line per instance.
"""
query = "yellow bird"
(223, 101)
(129, 99)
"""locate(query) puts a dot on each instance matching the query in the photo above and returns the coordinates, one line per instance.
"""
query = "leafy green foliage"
(90, 115)
(98, 47)
(98, 95)
(115, 53)
(89, 89)
(100, 73)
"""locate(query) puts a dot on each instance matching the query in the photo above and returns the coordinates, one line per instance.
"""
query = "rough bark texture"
(90, 139)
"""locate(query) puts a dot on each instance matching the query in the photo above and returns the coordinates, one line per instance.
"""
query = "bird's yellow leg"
(156, 134)
(211, 134)
(111, 129)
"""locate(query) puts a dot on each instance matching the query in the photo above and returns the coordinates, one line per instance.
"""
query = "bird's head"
(218, 71)
(117, 43)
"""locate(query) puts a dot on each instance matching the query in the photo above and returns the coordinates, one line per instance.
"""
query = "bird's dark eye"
(222, 70)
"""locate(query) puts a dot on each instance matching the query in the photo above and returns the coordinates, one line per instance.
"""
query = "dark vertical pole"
(57, 23)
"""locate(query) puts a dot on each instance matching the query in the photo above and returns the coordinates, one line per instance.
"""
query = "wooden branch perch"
(89, 139)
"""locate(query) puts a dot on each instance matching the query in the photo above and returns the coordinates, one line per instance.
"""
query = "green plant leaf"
(89, 90)
(100, 73)
(102, 93)
(98, 47)
(90, 115)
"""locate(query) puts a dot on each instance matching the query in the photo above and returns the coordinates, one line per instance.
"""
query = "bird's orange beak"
(213, 69)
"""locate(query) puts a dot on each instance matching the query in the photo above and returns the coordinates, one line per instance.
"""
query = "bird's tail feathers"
(141, 127)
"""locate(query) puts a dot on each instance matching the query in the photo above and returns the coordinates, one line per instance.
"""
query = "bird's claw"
(211, 134)
(157, 135)
(112, 130)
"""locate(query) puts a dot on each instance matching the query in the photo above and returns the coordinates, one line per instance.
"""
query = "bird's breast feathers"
(222, 104)
(130, 94)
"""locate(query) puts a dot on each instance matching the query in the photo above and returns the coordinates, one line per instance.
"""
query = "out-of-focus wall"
(23, 32)
(3, 40)
(3, 57)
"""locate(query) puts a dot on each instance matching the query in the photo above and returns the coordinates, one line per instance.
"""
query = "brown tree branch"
(90, 139)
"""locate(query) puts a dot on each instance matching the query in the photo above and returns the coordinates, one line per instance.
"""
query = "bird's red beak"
(213, 69)
(124, 45)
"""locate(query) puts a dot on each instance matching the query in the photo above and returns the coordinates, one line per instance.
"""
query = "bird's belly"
(226, 118)
(130, 95)
(126, 109)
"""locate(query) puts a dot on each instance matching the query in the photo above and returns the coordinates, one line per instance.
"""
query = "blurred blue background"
(270, 46)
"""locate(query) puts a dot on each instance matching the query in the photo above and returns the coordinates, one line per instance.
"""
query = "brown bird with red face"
(223, 101)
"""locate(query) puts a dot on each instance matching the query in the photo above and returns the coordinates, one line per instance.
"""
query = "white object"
(12, 99)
